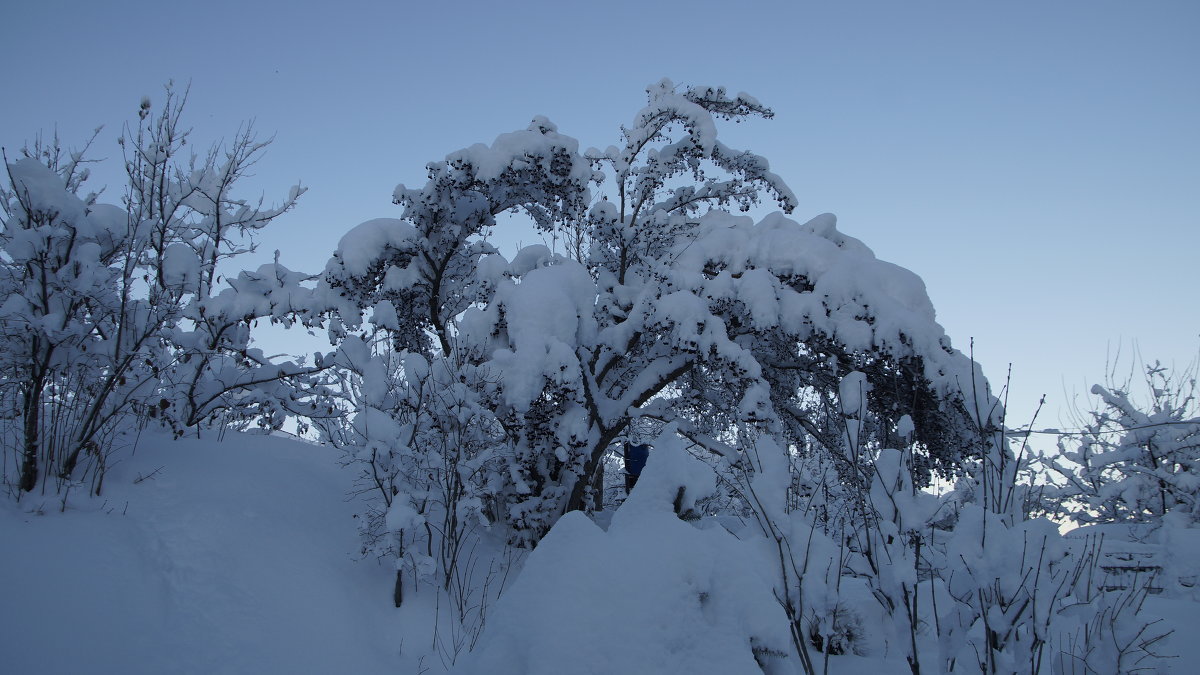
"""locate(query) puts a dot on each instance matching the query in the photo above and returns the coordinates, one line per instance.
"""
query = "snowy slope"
(235, 557)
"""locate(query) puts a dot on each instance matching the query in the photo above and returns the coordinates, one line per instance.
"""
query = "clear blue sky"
(1037, 163)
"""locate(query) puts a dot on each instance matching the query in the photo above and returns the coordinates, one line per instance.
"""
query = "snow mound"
(653, 594)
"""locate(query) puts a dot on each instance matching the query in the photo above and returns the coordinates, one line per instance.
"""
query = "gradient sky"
(1037, 163)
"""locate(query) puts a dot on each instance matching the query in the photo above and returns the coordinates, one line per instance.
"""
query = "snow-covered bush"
(112, 313)
(428, 448)
(60, 292)
(1134, 461)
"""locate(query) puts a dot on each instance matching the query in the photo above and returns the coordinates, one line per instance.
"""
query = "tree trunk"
(32, 415)
(598, 486)
(398, 589)
(576, 500)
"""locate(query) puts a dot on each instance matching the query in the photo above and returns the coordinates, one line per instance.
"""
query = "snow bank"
(234, 557)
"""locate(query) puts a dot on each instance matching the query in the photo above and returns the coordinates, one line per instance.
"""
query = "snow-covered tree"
(114, 313)
(672, 307)
(1135, 460)
(425, 424)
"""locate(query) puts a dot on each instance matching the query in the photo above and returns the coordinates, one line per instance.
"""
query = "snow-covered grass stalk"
(761, 478)
(470, 595)
(891, 522)
(1098, 627)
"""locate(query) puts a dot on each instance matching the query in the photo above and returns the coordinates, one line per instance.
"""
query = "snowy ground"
(241, 557)
(234, 557)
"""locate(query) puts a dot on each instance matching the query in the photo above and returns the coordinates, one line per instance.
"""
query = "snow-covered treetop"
(426, 262)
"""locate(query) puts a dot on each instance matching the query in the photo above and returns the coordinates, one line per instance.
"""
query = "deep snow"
(242, 556)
